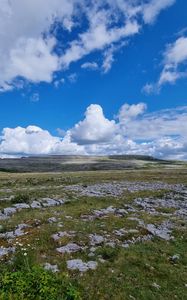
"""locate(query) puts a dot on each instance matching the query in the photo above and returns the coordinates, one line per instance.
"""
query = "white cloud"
(152, 126)
(108, 56)
(28, 41)
(97, 38)
(176, 53)
(148, 88)
(24, 50)
(160, 134)
(152, 9)
(34, 140)
(168, 75)
(174, 65)
(95, 128)
(128, 112)
(174, 56)
(90, 65)
(59, 82)
(108, 60)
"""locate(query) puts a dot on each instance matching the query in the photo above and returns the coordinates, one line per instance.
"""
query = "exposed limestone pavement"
(116, 189)
(169, 209)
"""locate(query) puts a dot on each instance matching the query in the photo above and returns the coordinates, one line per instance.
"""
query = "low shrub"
(36, 284)
(21, 198)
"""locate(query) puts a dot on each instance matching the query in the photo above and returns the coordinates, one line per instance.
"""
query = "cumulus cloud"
(128, 112)
(34, 140)
(31, 51)
(95, 128)
(26, 48)
(174, 65)
(134, 131)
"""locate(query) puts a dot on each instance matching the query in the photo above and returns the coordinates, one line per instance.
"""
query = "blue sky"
(83, 75)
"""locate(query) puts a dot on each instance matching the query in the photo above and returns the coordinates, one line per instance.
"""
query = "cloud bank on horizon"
(133, 131)
(31, 50)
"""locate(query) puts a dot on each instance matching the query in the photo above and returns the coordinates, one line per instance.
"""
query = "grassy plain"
(142, 271)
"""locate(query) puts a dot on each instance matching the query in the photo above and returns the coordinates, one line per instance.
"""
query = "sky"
(96, 77)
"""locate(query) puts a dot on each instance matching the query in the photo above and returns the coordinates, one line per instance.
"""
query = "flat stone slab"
(69, 248)
(78, 264)
(162, 231)
(21, 206)
(45, 202)
(36, 204)
(96, 239)
(15, 233)
(48, 202)
(9, 211)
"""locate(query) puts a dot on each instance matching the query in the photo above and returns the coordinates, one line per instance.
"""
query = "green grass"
(131, 273)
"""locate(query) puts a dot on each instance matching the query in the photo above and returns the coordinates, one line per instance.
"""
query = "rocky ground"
(92, 229)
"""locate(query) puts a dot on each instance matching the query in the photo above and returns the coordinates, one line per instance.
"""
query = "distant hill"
(60, 163)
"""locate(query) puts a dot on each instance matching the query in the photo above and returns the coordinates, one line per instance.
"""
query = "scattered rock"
(9, 211)
(5, 251)
(175, 258)
(93, 249)
(163, 231)
(149, 204)
(96, 239)
(52, 268)
(69, 248)
(36, 204)
(78, 264)
(61, 234)
(48, 202)
(69, 217)
(52, 220)
(122, 231)
(116, 189)
(21, 205)
(45, 202)
(91, 254)
(155, 285)
(111, 244)
(3, 217)
(15, 233)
